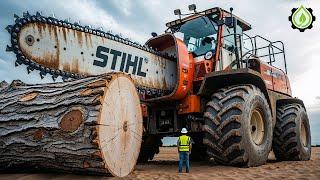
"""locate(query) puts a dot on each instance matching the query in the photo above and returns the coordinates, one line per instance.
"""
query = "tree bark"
(91, 125)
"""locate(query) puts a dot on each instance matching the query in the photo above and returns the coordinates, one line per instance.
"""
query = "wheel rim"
(257, 126)
(303, 135)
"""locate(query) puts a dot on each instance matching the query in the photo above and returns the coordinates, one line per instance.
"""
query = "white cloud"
(87, 12)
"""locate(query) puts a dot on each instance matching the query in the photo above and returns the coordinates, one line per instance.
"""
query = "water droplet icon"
(302, 18)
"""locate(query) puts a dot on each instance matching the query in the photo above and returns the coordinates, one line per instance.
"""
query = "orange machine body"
(192, 71)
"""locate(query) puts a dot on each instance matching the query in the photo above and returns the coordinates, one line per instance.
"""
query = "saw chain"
(20, 22)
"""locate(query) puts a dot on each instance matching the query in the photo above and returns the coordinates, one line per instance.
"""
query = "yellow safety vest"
(184, 143)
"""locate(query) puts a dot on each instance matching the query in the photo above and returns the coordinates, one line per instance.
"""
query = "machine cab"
(209, 35)
(216, 40)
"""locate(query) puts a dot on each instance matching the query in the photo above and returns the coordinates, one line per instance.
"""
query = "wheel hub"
(303, 134)
(257, 126)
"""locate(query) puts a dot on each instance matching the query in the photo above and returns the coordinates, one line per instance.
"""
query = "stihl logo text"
(126, 61)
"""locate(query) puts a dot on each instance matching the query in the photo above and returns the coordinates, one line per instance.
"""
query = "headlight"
(208, 55)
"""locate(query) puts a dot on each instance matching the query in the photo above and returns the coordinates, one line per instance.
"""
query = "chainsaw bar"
(21, 58)
(20, 22)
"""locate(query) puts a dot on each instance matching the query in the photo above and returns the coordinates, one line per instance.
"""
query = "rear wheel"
(292, 139)
(238, 126)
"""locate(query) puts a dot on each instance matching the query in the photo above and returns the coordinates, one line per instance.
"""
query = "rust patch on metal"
(79, 38)
(50, 29)
(86, 39)
(57, 44)
(71, 121)
(38, 27)
(64, 33)
(75, 65)
(28, 97)
(66, 67)
(47, 59)
(99, 83)
(50, 60)
(38, 135)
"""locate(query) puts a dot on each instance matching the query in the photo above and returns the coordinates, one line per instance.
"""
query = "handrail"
(272, 47)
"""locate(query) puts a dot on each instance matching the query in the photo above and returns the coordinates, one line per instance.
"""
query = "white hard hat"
(184, 131)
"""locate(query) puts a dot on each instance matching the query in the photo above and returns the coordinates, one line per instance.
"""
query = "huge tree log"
(91, 125)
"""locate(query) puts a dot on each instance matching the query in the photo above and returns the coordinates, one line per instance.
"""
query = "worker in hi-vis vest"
(184, 147)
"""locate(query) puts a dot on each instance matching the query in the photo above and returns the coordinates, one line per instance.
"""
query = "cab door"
(228, 51)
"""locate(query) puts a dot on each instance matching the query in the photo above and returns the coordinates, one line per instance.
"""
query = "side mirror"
(153, 34)
(229, 21)
(226, 21)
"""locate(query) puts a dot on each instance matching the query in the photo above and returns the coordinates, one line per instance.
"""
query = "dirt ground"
(164, 166)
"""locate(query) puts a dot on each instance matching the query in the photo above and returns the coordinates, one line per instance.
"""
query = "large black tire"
(230, 135)
(292, 137)
(150, 146)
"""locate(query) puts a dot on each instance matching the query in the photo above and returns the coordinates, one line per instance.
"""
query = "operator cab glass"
(199, 34)
(228, 51)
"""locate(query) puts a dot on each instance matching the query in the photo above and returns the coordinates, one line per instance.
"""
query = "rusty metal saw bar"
(14, 30)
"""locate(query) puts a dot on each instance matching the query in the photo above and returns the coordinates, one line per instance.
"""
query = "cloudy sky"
(138, 18)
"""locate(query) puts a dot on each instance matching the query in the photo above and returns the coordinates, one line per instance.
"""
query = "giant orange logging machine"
(205, 73)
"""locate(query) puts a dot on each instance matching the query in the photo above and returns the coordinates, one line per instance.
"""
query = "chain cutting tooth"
(14, 35)
(54, 77)
(9, 28)
(17, 29)
(26, 14)
(18, 62)
(43, 20)
(38, 14)
(15, 16)
(9, 48)
(30, 69)
(42, 74)
(36, 66)
(65, 78)
(27, 61)
(33, 19)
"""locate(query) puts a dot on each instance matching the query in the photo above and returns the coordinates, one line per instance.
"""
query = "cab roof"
(243, 24)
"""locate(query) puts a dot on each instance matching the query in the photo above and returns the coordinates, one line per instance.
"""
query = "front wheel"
(238, 126)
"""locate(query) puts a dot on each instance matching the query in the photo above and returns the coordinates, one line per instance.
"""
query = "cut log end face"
(120, 127)
(71, 121)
